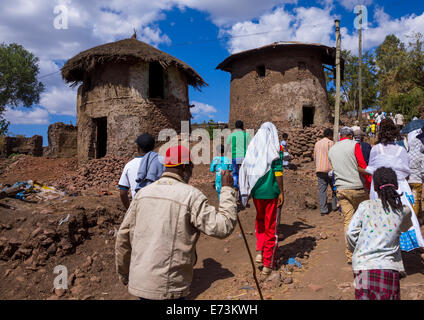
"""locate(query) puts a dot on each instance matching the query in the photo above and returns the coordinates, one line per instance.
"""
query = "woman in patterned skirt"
(373, 237)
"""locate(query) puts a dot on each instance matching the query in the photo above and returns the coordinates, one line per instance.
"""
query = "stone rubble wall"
(62, 141)
(30, 146)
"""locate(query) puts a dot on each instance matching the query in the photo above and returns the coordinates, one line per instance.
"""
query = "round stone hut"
(127, 88)
(283, 82)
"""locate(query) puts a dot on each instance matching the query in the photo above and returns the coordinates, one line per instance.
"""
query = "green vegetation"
(18, 80)
(392, 78)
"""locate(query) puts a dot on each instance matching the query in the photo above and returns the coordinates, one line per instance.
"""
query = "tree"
(18, 80)
(350, 84)
(401, 75)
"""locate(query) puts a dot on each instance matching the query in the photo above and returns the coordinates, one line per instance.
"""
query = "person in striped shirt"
(323, 168)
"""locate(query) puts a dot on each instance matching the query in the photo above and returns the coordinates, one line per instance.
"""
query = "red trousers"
(267, 221)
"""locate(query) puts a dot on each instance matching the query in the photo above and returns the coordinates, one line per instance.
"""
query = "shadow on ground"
(413, 262)
(296, 249)
(204, 277)
(285, 230)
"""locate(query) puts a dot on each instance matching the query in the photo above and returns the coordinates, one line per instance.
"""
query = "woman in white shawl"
(261, 178)
(387, 154)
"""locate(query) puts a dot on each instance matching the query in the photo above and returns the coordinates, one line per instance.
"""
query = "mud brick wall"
(120, 92)
(31, 146)
(62, 141)
(292, 81)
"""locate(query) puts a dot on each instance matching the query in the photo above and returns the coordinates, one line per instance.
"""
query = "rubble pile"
(100, 174)
(54, 237)
(301, 143)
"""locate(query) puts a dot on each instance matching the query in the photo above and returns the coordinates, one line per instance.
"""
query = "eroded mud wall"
(291, 81)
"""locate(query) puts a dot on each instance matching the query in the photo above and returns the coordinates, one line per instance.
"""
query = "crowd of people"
(156, 242)
(378, 189)
(374, 120)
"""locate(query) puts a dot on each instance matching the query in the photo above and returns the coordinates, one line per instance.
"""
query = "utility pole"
(360, 67)
(338, 82)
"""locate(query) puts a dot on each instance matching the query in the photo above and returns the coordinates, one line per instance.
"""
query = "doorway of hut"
(101, 136)
(308, 116)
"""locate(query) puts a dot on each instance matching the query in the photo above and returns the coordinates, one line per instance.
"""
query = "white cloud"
(350, 4)
(315, 24)
(90, 23)
(227, 12)
(304, 24)
(383, 26)
(60, 100)
(202, 109)
(36, 116)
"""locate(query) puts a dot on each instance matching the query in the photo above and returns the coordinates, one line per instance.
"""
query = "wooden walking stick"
(251, 259)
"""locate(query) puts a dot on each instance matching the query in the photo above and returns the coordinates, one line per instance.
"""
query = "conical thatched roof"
(127, 51)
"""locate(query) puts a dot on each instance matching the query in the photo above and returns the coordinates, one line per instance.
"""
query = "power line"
(49, 74)
(214, 40)
(241, 35)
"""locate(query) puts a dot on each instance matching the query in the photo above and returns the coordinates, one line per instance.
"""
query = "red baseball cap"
(176, 156)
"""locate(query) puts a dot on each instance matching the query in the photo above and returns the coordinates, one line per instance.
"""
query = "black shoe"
(324, 214)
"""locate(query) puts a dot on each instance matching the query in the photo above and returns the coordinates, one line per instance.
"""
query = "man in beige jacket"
(155, 245)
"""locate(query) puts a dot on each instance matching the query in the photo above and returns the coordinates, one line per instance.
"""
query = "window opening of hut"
(156, 81)
(260, 70)
(301, 66)
(101, 136)
(308, 116)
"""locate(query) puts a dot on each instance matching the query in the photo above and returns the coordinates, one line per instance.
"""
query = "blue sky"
(199, 32)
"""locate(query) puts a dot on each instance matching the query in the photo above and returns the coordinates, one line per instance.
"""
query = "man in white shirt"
(356, 127)
(128, 181)
(399, 119)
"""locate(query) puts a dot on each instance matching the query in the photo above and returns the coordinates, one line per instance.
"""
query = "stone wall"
(62, 141)
(31, 146)
(120, 93)
(301, 143)
(292, 81)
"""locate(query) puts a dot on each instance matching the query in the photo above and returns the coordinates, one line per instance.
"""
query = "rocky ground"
(78, 231)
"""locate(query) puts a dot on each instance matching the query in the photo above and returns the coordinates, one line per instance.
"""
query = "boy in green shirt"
(239, 140)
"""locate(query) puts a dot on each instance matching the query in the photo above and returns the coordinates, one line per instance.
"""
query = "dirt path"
(223, 270)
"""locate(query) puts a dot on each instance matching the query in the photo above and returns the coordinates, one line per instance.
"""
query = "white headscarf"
(261, 152)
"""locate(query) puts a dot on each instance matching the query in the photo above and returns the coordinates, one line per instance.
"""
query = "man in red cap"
(156, 243)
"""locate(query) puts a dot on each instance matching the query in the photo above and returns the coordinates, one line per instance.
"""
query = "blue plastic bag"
(293, 261)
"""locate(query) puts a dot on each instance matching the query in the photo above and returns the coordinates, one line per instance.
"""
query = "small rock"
(53, 297)
(226, 250)
(274, 277)
(323, 236)
(77, 290)
(287, 280)
(88, 262)
(59, 292)
(46, 211)
(310, 203)
(344, 285)
(20, 279)
(95, 279)
(8, 271)
(314, 287)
